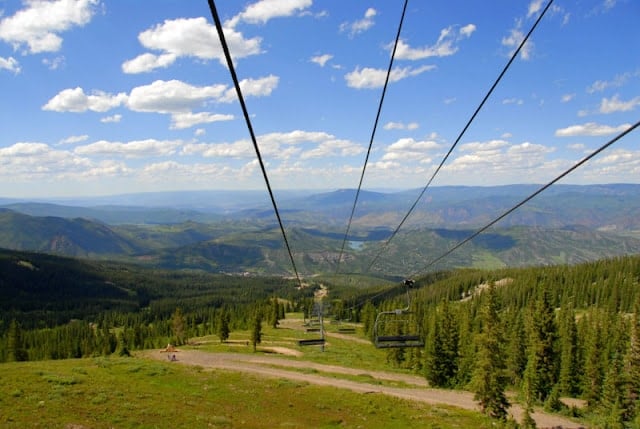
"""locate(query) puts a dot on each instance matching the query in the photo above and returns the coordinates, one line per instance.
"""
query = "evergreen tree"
(15, 350)
(593, 370)
(256, 330)
(178, 325)
(516, 349)
(223, 325)
(274, 313)
(489, 377)
(540, 372)
(569, 356)
(632, 364)
(442, 363)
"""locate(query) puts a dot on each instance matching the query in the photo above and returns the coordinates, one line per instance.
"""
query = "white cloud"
(361, 25)
(321, 60)
(188, 37)
(517, 101)
(375, 78)
(10, 64)
(265, 10)
(188, 119)
(446, 44)
(38, 25)
(567, 97)
(75, 100)
(111, 119)
(401, 126)
(513, 40)
(534, 8)
(146, 62)
(261, 87)
(590, 129)
(53, 63)
(617, 81)
(298, 143)
(407, 149)
(614, 104)
(132, 149)
(172, 96)
(74, 139)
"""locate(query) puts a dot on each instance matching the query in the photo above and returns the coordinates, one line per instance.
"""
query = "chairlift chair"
(396, 321)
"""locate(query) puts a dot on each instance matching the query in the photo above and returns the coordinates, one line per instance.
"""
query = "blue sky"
(107, 97)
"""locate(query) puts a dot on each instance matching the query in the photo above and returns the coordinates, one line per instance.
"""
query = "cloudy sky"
(115, 96)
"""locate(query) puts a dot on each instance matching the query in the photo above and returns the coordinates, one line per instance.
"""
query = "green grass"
(136, 393)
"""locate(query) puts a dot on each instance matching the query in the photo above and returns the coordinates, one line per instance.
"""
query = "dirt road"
(278, 367)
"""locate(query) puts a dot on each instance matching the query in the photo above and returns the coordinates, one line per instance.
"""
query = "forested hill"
(42, 290)
(546, 332)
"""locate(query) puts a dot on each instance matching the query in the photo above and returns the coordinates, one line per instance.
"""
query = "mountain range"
(237, 232)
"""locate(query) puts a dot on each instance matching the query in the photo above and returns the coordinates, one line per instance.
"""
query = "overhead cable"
(530, 197)
(373, 133)
(225, 48)
(462, 133)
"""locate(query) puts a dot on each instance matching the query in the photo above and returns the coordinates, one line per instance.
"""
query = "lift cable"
(503, 215)
(464, 130)
(527, 199)
(225, 48)
(373, 133)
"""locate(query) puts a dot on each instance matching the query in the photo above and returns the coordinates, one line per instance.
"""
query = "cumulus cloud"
(37, 27)
(75, 100)
(590, 129)
(188, 37)
(374, 78)
(188, 119)
(567, 97)
(132, 149)
(406, 149)
(360, 25)
(446, 45)
(614, 104)
(321, 60)
(10, 64)
(298, 143)
(265, 10)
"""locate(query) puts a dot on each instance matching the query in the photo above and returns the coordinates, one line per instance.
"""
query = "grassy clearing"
(136, 393)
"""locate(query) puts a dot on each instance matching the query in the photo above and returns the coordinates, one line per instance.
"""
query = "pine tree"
(15, 351)
(632, 364)
(540, 372)
(256, 330)
(489, 377)
(178, 324)
(569, 357)
(223, 326)
(516, 349)
(442, 363)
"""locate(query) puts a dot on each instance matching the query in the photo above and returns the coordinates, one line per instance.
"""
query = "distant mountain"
(71, 237)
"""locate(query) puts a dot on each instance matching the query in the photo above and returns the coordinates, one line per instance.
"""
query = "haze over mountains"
(236, 231)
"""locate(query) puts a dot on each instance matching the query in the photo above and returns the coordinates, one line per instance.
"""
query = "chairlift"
(320, 328)
(390, 328)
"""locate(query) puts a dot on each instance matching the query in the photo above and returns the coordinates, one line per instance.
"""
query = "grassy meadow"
(139, 393)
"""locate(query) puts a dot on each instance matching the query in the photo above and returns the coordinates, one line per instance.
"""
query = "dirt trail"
(278, 367)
